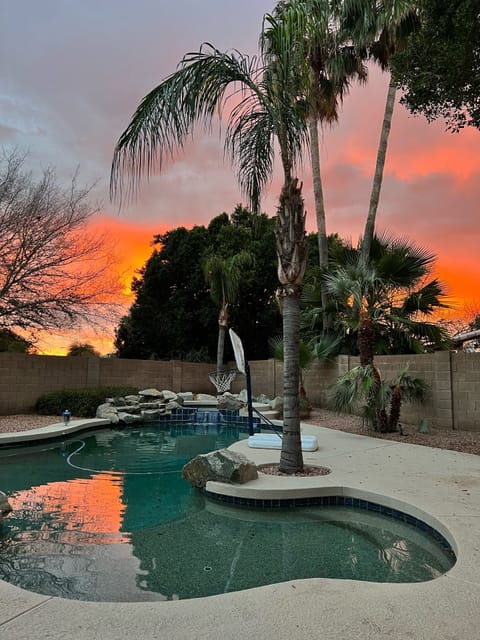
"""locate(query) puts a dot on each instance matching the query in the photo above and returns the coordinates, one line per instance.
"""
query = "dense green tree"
(266, 116)
(439, 72)
(173, 315)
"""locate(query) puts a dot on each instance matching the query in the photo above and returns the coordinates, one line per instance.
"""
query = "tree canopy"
(173, 315)
(439, 71)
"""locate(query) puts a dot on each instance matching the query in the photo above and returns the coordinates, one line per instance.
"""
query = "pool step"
(264, 409)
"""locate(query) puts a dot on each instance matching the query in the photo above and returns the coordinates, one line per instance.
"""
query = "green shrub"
(81, 403)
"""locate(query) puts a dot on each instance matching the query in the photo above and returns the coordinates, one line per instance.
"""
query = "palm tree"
(266, 110)
(382, 399)
(327, 65)
(381, 28)
(384, 302)
(224, 276)
(394, 292)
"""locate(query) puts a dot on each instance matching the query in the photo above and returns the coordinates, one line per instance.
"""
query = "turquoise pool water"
(106, 516)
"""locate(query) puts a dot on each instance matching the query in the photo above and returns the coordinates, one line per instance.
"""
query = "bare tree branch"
(53, 272)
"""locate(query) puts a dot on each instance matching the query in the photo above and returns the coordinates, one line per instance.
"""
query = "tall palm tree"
(381, 28)
(326, 68)
(263, 110)
(224, 276)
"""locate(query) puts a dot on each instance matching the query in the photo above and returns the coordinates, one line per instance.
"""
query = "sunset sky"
(72, 73)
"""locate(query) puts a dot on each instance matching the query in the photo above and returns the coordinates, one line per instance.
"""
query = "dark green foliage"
(12, 342)
(174, 317)
(83, 349)
(439, 71)
(82, 403)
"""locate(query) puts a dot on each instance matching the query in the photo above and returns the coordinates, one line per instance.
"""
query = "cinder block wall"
(453, 378)
(466, 390)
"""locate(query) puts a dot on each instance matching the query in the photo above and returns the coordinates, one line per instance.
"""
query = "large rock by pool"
(222, 465)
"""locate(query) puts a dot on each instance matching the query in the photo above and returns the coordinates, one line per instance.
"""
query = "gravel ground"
(465, 441)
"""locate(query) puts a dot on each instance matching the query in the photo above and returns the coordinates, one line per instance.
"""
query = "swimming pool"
(106, 516)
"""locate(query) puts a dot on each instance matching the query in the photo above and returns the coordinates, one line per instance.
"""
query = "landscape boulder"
(222, 465)
(229, 402)
(108, 412)
(151, 393)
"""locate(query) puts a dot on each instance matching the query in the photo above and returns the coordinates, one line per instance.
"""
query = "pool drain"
(207, 568)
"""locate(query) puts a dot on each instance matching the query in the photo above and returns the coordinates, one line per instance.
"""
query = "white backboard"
(238, 351)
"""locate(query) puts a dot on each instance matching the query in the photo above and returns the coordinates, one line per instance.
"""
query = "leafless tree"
(54, 272)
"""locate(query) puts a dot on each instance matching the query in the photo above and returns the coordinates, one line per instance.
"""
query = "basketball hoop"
(222, 379)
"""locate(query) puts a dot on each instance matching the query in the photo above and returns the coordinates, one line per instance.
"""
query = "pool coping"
(438, 486)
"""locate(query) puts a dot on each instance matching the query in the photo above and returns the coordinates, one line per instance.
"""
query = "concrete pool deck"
(439, 486)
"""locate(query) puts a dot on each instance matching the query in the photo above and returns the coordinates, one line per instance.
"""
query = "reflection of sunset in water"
(86, 510)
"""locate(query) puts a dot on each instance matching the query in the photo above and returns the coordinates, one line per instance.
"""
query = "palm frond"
(249, 142)
(425, 300)
(194, 94)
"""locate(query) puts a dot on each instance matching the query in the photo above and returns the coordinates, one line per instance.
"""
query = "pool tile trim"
(331, 500)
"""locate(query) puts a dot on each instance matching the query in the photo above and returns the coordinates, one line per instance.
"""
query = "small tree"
(224, 276)
(53, 272)
(380, 400)
(82, 349)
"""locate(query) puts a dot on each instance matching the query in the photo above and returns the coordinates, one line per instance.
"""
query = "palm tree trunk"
(291, 458)
(222, 329)
(220, 347)
(292, 262)
(378, 178)
(318, 193)
(319, 210)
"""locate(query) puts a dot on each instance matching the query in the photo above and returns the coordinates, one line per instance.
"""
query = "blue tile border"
(332, 501)
(210, 416)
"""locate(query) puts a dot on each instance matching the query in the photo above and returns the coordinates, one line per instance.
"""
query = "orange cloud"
(131, 245)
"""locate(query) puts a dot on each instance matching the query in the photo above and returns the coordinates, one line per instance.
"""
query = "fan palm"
(380, 401)
(224, 276)
(383, 303)
(392, 295)
(262, 108)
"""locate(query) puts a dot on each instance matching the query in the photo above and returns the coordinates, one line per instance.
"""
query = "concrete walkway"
(441, 487)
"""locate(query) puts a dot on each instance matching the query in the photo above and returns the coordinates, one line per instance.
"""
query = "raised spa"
(105, 515)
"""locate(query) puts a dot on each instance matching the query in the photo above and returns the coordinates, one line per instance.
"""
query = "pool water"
(107, 516)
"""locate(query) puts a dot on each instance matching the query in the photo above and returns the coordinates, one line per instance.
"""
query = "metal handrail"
(267, 422)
